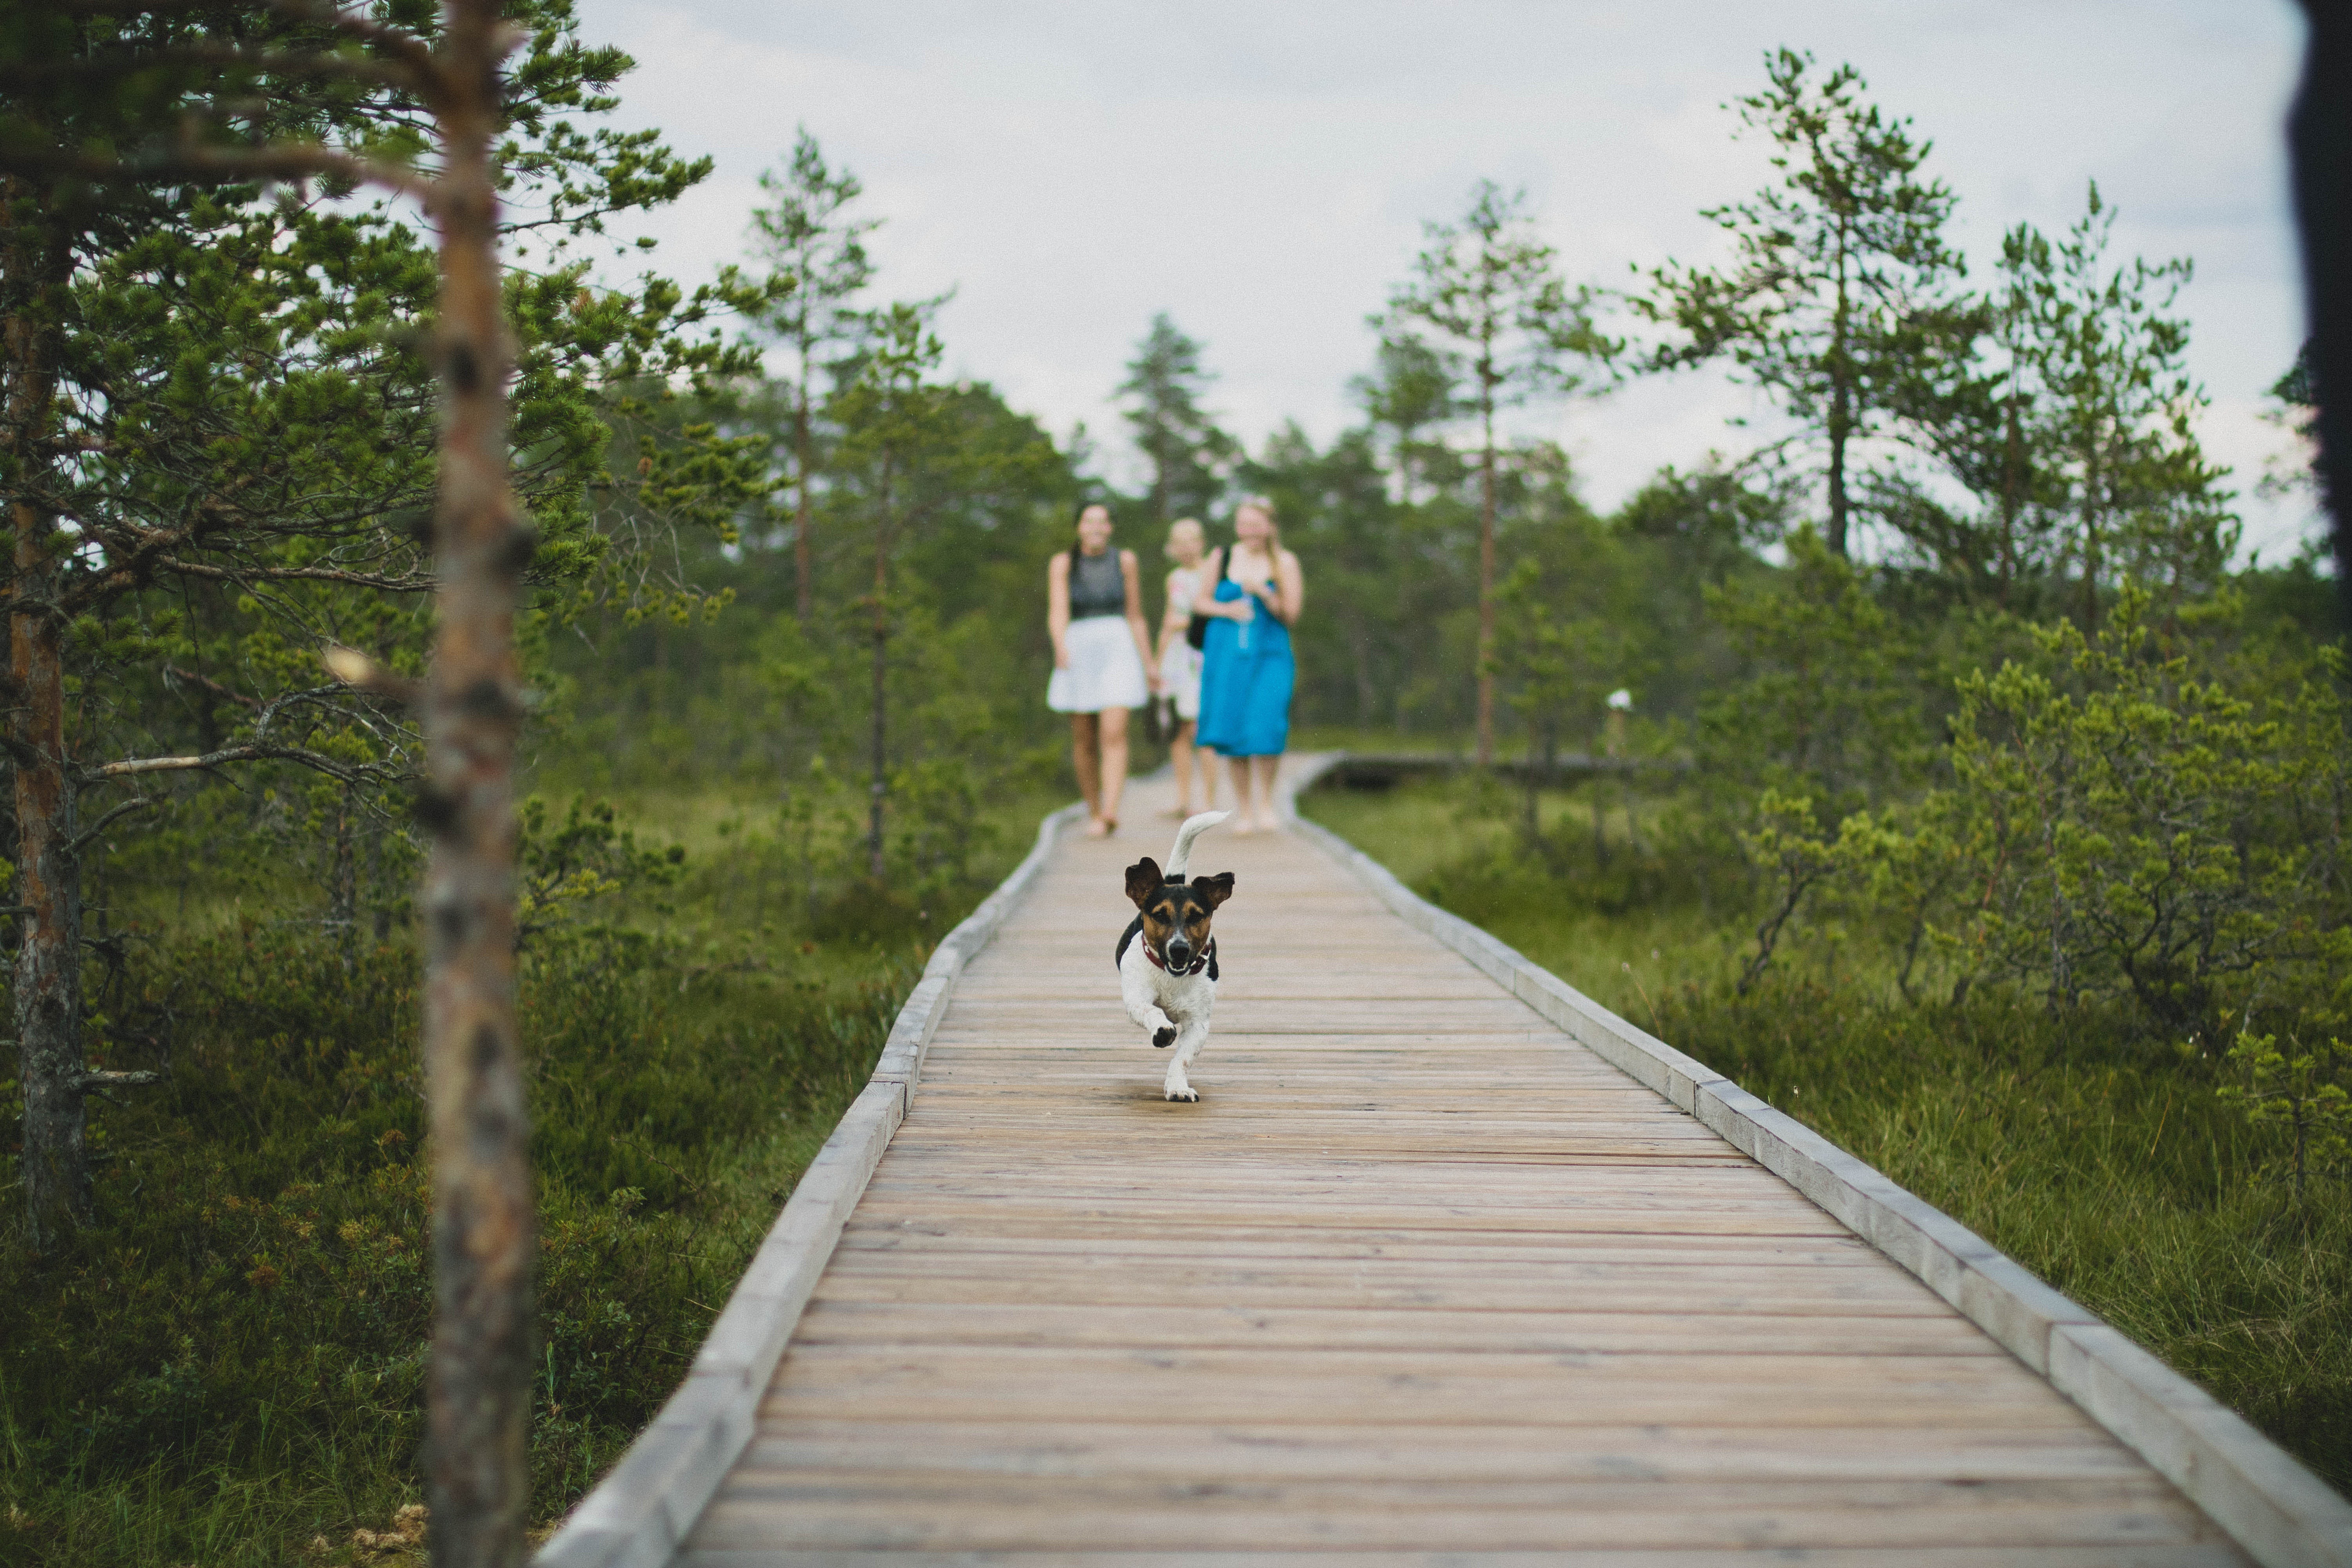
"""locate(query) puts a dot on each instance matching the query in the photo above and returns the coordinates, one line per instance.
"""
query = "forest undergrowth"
(227, 1367)
(2108, 1163)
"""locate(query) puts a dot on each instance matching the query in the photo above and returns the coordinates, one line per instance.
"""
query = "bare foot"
(1110, 825)
(1178, 812)
(1096, 828)
(1268, 825)
(1241, 830)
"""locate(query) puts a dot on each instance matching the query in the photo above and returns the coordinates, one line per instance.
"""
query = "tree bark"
(2094, 510)
(804, 553)
(1841, 404)
(48, 1013)
(878, 790)
(2319, 134)
(1486, 573)
(2012, 489)
(477, 1400)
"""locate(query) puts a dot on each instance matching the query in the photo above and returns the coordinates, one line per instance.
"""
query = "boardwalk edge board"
(2278, 1512)
(639, 1515)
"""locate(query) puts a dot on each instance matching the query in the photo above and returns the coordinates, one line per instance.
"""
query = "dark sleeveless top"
(1098, 585)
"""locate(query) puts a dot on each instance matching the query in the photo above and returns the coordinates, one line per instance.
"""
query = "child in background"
(1180, 666)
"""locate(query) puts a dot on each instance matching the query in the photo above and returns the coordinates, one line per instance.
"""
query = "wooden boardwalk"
(1420, 1281)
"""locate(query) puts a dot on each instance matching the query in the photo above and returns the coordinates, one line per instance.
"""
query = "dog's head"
(1176, 914)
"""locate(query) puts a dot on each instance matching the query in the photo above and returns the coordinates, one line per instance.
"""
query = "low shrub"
(230, 1362)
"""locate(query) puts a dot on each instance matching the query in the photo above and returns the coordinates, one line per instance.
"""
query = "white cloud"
(1260, 170)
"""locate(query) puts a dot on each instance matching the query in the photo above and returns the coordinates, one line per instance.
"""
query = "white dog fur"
(1160, 1001)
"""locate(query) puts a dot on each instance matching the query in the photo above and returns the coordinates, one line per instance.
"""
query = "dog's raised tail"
(1181, 857)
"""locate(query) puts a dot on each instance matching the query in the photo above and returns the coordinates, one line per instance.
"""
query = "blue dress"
(1245, 677)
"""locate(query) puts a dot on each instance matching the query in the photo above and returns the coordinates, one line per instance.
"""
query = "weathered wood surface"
(1420, 1279)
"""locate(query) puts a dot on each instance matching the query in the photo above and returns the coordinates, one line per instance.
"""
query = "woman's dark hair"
(1076, 544)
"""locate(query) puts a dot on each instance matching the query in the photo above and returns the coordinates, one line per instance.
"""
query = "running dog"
(1168, 979)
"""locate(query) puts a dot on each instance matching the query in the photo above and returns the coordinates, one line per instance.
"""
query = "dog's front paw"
(1163, 1038)
(1186, 1093)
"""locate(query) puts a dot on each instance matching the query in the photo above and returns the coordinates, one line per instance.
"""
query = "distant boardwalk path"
(1420, 1279)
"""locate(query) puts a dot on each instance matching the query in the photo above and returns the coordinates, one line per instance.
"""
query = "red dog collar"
(1194, 967)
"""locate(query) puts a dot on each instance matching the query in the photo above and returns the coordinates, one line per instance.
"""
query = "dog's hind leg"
(1189, 1041)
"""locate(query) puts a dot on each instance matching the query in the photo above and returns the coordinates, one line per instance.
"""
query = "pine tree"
(912, 450)
(2107, 406)
(1489, 304)
(1190, 455)
(1410, 391)
(212, 382)
(2076, 436)
(817, 254)
(1839, 303)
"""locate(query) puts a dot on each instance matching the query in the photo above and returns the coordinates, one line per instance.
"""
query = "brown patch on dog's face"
(1176, 915)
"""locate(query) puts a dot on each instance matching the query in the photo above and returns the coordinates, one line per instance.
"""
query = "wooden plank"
(1324, 1327)
(1563, 1278)
(1097, 1513)
(2105, 1556)
(1374, 1452)
(1054, 1238)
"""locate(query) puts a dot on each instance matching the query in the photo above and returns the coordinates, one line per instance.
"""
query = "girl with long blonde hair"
(1254, 591)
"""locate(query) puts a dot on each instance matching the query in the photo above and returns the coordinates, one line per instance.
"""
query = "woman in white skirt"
(1180, 664)
(1094, 608)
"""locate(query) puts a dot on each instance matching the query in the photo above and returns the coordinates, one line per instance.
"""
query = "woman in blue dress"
(1255, 591)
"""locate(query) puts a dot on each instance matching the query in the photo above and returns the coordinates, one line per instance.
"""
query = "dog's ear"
(1143, 879)
(1216, 889)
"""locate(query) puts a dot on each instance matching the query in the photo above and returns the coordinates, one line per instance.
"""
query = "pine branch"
(108, 1078)
(360, 673)
(221, 165)
(21, 77)
(174, 672)
(318, 761)
(403, 46)
(407, 47)
(242, 576)
(91, 835)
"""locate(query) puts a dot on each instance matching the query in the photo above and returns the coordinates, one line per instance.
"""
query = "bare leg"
(1242, 822)
(1114, 762)
(1085, 758)
(1180, 762)
(1264, 768)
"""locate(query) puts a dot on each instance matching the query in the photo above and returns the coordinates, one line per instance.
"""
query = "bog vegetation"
(1975, 798)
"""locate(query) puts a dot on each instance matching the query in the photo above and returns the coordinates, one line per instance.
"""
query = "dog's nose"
(1178, 951)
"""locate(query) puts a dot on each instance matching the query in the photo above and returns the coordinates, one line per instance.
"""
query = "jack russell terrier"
(1168, 980)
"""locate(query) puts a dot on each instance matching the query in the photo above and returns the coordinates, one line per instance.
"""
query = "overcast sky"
(1262, 170)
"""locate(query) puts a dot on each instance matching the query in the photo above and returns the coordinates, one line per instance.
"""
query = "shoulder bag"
(1196, 630)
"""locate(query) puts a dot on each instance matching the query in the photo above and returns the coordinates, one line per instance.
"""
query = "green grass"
(2105, 1164)
(227, 1368)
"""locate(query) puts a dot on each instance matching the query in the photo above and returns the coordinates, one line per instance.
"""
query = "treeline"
(1877, 654)
(2029, 447)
